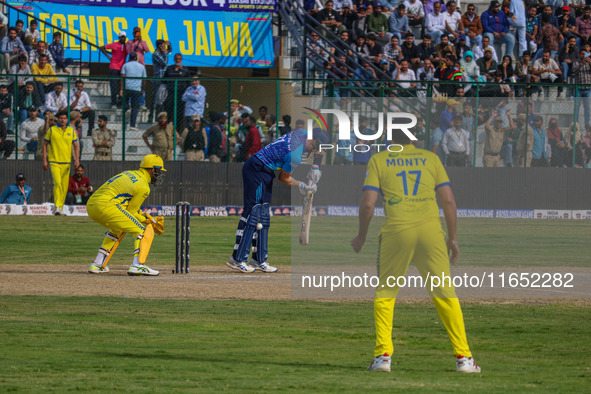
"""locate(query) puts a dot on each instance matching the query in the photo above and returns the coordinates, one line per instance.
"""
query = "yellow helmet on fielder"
(155, 162)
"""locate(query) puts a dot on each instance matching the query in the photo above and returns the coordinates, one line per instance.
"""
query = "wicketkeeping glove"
(305, 189)
(314, 174)
(157, 222)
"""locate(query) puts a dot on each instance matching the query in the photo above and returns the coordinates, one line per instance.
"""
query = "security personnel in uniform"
(162, 137)
(103, 140)
(194, 140)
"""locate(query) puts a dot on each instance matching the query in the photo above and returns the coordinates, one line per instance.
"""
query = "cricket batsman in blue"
(284, 155)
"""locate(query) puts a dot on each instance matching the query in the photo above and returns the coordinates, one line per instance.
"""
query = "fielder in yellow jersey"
(116, 206)
(409, 181)
(57, 146)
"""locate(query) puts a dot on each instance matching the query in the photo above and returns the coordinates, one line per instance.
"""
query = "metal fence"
(279, 105)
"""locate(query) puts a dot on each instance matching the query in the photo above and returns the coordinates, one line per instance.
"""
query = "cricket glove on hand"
(305, 189)
(157, 222)
(314, 174)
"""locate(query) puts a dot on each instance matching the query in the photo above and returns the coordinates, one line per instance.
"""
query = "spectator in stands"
(138, 46)
(56, 101)
(517, 19)
(329, 18)
(50, 121)
(449, 70)
(360, 47)
(470, 70)
(32, 34)
(21, 68)
(427, 72)
(342, 45)
(217, 141)
(360, 24)
(348, 16)
(496, 27)
(548, 10)
(163, 137)
(3, 25)
(567, 24)
(556, 142)
(447, 115)
(586, 148)
(80, 101)
(495, 136)
(453, 21)
(263, 113)
(76, 125)
(415, 13)
(393, 53)
(479, 49)
(177, 72)
(237, 110)
(7, 146)
(524, 69)
(103, 140)
(403, 73)
(194, 99)
(377, 23)
(375, 49)
(17, 193)
(41, 49)
(271, 134)
(194, 139)
(29, 128)
(316, 56)
(583, 25)
(160, 62)
(443, 48)
(56, 49)
(116, 62)
(571, 137)
(133, 87)
(20, 33)
(27, 98)
(461, 47)
(582, 72)
(538, 150)
(550, 38)
(79, 188)
(435, 24)
(6, 106)
(398, 22)
(506, 69)
(252, 142)
(568, 56)
(45, 79)
(410, 52)
(487, 65)
(549, 72)
(426, 48)
(456, 143)
(365, 73)
(472, 25)
(10, 48)
(531, 29)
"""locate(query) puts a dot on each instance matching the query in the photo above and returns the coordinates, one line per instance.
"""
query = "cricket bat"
(307, 211)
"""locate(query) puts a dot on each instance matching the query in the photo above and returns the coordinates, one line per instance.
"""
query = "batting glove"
(314, 174)
(305, 189)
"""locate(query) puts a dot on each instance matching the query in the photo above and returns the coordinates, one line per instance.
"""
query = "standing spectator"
(550, 38)
(435, 24)
(582, 73)
(447, 115)
(472, 25)
(263, 113)
(76, 125)
(518, 21)
(377, 23)
(56, 101)
(583, 25)
(7, 146)
(569, 140)
(175, 72)
(556, 142)
(3, 25)
(137, 46)
(525, 142)
(160, 62)
(10, 48)
(329, 18)
(398, 22)
(103, 140)
(46, 79)
(50, 121)
(252, 143)
(415, 13)
(549, 72)
(496, 27)
(456, 144)
(531, 29)
(79, 188)
(56, 49)
(116, 62)
(17, 193)
(41, 49)
(495, 136)
(57, 152)
(80, 101)
(29, 128)
(163, 137)
(194, 139)
(28, 98)
(508, 151)
(133, 87)
(549, 11)
(21, 68)
(271, 134)
(411, 52)
(194, 99)
(6, 106)
(237, 110)
(538, 151)
(215, 150)
(453, 21)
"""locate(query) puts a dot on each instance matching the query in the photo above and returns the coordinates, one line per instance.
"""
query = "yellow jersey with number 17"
(407, 181)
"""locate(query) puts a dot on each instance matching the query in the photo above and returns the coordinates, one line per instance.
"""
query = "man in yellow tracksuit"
(409, 181)
(116, 206)
(57, 146)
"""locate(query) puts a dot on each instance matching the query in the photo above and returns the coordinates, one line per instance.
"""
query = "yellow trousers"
(60, 173)
(424, 245)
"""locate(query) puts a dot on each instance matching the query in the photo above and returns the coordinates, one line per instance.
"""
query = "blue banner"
(205, 38)
(187, 5)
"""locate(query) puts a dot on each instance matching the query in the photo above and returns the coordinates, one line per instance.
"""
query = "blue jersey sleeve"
(293, 159)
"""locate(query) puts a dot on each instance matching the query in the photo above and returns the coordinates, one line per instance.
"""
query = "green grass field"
(58, 343)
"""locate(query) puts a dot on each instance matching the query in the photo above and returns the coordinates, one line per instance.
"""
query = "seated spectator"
(7, 146)
(348, 16)
(531, 29)
(194, 140)
(314, 52)
(6, 108)
(583, 25)
(28, 98)
(403, 73)
(398, 22)
(426, 48)
(479, 49)
(80, 101)
(375, 49)
(217, 141)
(393, 53)
(3, 25)
(415, 13)
(443, 48)
(568, 56)
(10, 48)
(41, 49)
(461, 47)
(46, 79)
(32, 34)
(487, 65)
(79, 188)
(449, 71)
(497, 88)
(343, 45)
(21, 68)
(496, 27)
(453, 21)
(163, 135)
(524, 70)
(365, 73)
(56, 101)
(329, 18)
(103, 140)
(377, 23)
(360, 23)
(472, 25)
(549, 72)
(20, 32)
(506, 69)
(17, 193)
(567, 24)
(50, 121)
(435, 23)
(56, 49)
(29, 128)
(427, 72)
(360, 47)
(550, 38)
(456, 144)
(469, 68)
(410, 51)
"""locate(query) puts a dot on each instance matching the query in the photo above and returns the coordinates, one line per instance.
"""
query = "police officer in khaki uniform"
(495, 135)
(162, 137)
(103, 140)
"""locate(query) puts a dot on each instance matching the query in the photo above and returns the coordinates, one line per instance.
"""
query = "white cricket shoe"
(242, 267)
(142, 270)
(264, 267)
(467, 365)
(96, 269)
(381, 363)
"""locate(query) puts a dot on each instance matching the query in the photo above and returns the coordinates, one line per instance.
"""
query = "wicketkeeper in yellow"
(408, 182)
(116, 206)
